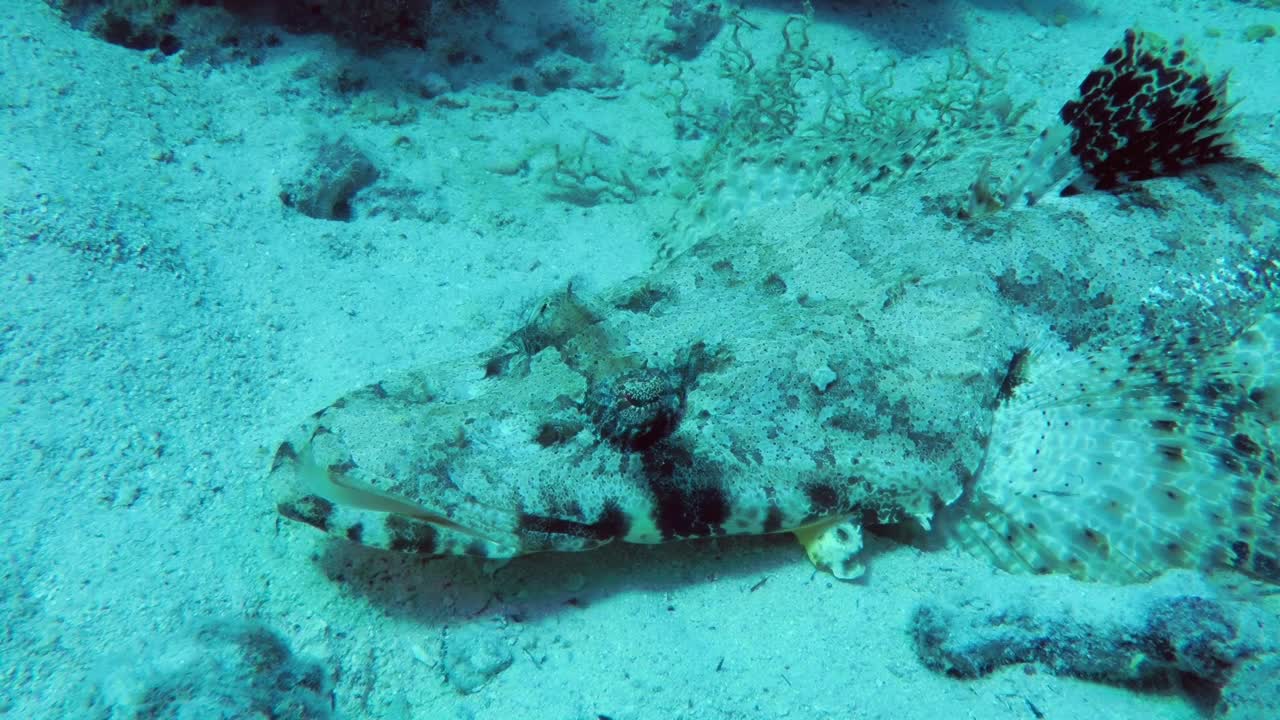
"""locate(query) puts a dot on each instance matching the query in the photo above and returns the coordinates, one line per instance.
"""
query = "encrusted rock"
(325, 189)
(1177, 624)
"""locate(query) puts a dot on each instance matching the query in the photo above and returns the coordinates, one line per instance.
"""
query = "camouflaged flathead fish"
(812, 365)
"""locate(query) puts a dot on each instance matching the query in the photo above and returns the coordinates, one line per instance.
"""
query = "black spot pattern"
(643, 299)
(1245, 444)
(412, 536)
(1146, 112)
(689, 498)
(311, 509)
(774, 285)
(1229, 462)
(1242, 551)
(557, 432)
(284, 454)
(772, 520)
(611, 524)
(1172, 453)
(823, 498)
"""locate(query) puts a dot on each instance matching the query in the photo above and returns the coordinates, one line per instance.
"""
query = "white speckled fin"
(1131, 461)
(834, 545)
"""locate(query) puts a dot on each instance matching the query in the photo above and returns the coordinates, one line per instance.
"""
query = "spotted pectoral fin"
(1123, 464)
(834, 545)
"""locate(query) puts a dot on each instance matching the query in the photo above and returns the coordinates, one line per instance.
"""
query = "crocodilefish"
(776, 381)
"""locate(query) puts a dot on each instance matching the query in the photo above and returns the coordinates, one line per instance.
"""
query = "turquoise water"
(510, 279)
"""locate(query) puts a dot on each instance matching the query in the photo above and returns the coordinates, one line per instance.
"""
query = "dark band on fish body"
(409, 535)
(772, 520)
(689, 499)
(310, 509)
(823, 498)
(613, 523)
(284, 453)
